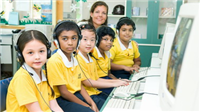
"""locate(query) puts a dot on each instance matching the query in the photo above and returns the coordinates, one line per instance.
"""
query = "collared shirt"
(34, 74)
(64, 72)
(89, 70)
(25, 88)
(103, 64)
(122, 55)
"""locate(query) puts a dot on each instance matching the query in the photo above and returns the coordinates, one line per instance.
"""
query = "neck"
(68, 55)
(38, 72)
(85, 55)
(102, 52)
(125, 43)
(96, 26)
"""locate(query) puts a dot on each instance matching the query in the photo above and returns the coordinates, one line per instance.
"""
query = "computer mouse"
(121, 94)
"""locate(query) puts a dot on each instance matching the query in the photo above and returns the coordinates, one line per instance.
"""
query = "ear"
(91, 14)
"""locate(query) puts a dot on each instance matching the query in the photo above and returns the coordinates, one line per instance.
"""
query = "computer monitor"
(179, 86)
(169, 30)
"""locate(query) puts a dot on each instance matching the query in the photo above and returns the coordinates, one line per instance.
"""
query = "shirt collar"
(108, 54)
(67, 63)
(34, 74)
(122, 46)
(90, 59)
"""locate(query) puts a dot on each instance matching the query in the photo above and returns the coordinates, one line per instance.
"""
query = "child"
(29, 89)
(65, 72)
(91, 79)
(101, 53)
(125, 54)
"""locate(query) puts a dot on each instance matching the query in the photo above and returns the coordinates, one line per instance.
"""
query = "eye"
(112, 40)
(92, 39)
(74, 38)
(105, 39)
(30, 52)
(64, 39)
(42, 51)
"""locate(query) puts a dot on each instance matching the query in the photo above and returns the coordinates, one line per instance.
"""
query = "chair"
(4, 87)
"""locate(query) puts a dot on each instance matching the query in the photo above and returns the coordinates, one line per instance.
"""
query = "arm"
(69, 96)
(54, 106)
(121, 67)
(103, 83)
(137, 63)
(88, 99)
(33, 107)
(111, 75)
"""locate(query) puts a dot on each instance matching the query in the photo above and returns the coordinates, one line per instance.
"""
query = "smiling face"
(87, 42)
(68, 41)
(126, 33)
(106, 43)
(35, 54)
(99, 16)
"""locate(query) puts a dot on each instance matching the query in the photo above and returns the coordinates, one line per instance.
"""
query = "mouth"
(88, 48)
(37, 63)
(70, 48)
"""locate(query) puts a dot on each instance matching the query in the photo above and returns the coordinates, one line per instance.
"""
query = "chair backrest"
(4, 87)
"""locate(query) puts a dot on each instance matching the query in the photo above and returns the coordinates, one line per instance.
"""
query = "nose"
(69, 42)
(37, 56)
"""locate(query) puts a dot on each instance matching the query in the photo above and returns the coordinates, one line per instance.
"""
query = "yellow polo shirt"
(64, 72)
(22, 90)
(122, 55)
(90, 71)
(102, 64)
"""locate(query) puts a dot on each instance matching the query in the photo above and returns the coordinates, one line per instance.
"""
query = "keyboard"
(119, 103)
(142, 73)
(132, 88)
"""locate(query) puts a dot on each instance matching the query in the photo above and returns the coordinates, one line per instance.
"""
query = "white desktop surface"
(154, 71)
(149, 101)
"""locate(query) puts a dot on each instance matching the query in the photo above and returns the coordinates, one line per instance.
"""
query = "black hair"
(125, 21)
(103, 31)
(66, 26)
(88, 27)
(28, 36)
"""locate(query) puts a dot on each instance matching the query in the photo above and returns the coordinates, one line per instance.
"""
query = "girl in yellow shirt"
(30, 89)
(88, 64)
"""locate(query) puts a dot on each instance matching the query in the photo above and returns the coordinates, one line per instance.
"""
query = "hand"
(121, 83)
(136, 68)
(129, 69)
(125, 80)
(94, 107)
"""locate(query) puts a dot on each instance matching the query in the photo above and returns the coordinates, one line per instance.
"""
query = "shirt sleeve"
(55, 73)
(136, 50)
(24, 90)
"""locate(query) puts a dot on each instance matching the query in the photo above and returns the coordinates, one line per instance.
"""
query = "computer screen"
(179, 83)
(177, 54)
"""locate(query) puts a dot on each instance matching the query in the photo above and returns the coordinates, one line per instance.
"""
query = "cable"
(133, 96)
(37, 88)
(141, 78)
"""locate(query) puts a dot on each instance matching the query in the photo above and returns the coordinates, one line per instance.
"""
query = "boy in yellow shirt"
(125, 54)
(65, 73)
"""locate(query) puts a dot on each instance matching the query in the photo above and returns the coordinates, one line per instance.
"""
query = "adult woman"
(98, 15)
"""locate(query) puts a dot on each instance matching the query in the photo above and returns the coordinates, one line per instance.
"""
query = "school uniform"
(103, 66)
(123, 56)
(64, 72)
(25, 88)
(90, 72)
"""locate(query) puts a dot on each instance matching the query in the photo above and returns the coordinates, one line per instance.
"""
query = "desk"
(149, 102)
